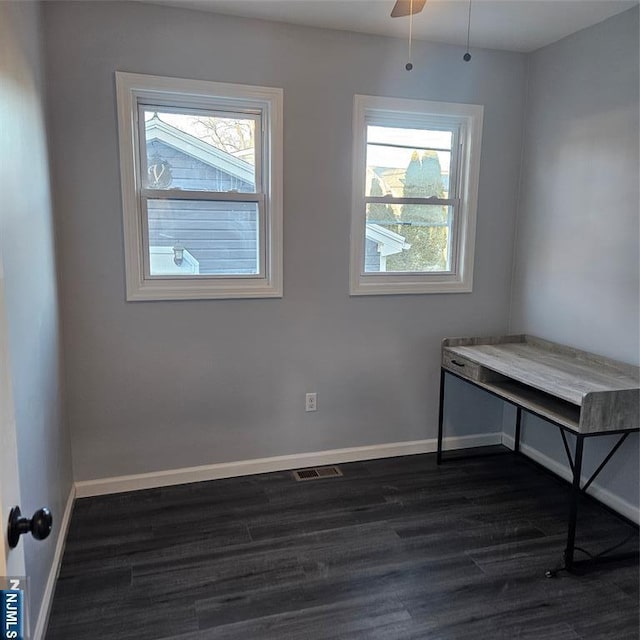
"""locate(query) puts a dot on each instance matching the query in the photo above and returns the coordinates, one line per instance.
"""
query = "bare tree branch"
(229, 134)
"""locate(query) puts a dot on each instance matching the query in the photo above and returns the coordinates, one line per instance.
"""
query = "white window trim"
(470, 117)
(132, 87)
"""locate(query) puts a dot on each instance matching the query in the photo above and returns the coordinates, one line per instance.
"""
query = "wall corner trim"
(47, 599)
(102, 486)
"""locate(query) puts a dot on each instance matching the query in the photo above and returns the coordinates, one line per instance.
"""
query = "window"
(201, 170)
(415, 182)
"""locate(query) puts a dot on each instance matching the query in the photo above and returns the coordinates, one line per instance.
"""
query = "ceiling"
(514, 25)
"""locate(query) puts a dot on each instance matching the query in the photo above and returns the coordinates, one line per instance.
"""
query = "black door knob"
(39, 525)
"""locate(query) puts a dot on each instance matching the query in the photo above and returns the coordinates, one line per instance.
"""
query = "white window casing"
(465, 123)
(264, 104)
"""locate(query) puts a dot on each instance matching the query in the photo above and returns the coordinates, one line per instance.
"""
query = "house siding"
(192, 174)
(371, 257)
(221, 236)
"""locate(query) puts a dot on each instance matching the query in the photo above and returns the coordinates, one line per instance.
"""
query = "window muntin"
(415, 177)
(202, 194)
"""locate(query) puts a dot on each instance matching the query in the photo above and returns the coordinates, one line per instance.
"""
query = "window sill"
(150, 290)
(403, 285)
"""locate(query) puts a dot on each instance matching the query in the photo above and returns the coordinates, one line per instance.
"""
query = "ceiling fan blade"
(403, 7)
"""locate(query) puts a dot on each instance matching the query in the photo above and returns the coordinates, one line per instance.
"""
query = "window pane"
(188, 237)
(199, 152)
(409, 238)
(407, 172)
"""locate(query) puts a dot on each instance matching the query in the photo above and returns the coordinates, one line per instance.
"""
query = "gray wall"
(173, 384)
(576, 277)
(27, 253)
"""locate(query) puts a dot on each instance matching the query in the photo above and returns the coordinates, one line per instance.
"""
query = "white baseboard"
(101, 486)
(628, 510)
(47, 598)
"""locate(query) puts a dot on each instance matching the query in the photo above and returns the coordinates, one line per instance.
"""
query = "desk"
(581, 393)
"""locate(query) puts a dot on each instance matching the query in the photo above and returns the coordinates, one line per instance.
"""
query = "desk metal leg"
(440, 417)
(569, 563)
(573, 509)
(516, 444)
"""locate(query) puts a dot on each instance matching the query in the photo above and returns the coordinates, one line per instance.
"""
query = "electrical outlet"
(311, 402)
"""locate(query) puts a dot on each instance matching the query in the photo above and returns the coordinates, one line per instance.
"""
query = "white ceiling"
(515, 25)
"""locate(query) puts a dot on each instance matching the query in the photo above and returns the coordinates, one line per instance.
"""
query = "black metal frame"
(575, 463)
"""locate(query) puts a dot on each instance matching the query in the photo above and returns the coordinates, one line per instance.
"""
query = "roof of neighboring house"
(392, 179)
(389, 242)
(196, 148)
(387, 187)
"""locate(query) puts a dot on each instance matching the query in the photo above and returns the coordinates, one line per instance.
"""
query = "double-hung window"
(415, 183)
(201, 171)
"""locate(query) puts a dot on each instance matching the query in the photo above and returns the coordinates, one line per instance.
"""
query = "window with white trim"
(415, 183)
(201, 172)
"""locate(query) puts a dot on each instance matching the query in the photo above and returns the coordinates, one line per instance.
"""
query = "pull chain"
(409, 64)
(467, 56)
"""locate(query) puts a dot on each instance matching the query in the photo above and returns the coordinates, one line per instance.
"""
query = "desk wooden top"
(559, 374)
(581, 390)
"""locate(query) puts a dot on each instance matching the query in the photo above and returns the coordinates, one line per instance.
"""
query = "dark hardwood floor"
(396, 549)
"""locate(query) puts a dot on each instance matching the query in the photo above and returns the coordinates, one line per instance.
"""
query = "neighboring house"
(392, 179)
(196, 164)
(381, 242)
(220, 237)
(215, 238)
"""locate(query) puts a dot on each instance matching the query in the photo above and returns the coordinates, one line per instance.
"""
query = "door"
(11, 560)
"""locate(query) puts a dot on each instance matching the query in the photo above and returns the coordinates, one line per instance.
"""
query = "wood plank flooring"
(396, 549)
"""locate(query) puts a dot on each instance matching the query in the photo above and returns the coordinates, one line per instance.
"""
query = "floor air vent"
(318, 473)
